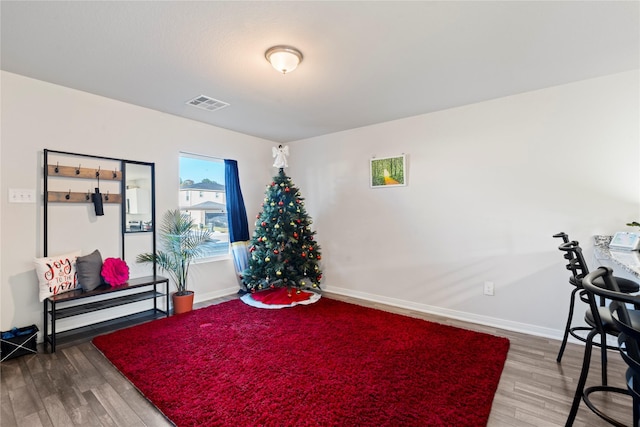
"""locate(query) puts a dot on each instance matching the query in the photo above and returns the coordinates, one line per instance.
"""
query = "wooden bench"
(71, 304)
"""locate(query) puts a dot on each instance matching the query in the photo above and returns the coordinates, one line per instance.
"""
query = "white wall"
(488, 185)
(38, 115)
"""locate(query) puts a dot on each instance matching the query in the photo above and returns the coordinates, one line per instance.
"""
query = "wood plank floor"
(78, 386)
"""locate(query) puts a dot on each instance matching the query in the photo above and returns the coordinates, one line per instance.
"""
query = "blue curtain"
(237, 217)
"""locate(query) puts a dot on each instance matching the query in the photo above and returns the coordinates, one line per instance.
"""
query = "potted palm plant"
(181, 241)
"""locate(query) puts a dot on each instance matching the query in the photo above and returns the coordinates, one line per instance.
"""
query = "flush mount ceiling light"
(283, 58)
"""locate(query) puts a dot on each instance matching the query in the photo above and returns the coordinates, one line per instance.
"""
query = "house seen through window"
(202, 196)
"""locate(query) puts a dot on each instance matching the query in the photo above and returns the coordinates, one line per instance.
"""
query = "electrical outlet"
(489, 288)
(22, 196)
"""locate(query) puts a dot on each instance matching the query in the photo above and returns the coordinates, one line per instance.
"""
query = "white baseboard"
(493, 322)
(201, 297)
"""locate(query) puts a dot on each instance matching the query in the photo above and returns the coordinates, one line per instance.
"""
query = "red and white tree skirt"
(279, 298)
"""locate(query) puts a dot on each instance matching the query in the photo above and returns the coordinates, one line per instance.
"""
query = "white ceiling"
(365, 62)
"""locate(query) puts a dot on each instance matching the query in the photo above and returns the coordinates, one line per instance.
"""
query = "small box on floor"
(18, 342)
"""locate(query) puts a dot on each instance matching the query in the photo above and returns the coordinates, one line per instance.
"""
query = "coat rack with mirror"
(94, 204)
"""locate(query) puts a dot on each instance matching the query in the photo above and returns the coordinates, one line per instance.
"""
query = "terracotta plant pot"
(182, 303)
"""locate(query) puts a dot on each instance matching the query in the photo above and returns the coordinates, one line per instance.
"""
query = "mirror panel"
(138, 197)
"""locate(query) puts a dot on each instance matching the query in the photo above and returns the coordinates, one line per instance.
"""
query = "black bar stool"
(601, 284)
(579, 269)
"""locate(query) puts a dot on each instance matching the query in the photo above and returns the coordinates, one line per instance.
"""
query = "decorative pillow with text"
(57, 274)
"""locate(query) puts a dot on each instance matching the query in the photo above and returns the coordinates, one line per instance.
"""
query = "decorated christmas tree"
(283, 252)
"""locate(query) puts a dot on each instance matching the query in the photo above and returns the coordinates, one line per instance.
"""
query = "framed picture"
(388, 172)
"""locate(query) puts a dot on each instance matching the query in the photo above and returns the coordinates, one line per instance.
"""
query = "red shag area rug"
(327, 364)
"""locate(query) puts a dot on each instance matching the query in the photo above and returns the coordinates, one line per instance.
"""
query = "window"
(205, 176)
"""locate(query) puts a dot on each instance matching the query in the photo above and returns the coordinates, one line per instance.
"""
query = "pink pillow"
(115, 271)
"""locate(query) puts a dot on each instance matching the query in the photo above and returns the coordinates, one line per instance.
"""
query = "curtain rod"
(196, 155)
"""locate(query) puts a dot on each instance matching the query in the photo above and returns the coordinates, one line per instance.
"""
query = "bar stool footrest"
(600, 389)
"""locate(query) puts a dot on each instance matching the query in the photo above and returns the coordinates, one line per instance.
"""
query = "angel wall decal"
(280, 154)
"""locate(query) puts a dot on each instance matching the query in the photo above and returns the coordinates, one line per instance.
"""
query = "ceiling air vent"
(207, 103)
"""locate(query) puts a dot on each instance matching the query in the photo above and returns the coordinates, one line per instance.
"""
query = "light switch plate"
(17, 195)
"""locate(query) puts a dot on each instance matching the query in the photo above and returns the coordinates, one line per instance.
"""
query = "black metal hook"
(78, 170)
(57, 169)
(68, 195)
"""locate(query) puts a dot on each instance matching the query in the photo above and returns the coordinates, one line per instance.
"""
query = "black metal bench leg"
(45, 326)
(53, 327)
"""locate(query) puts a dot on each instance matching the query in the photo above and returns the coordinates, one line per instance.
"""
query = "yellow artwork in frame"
(388, 172)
